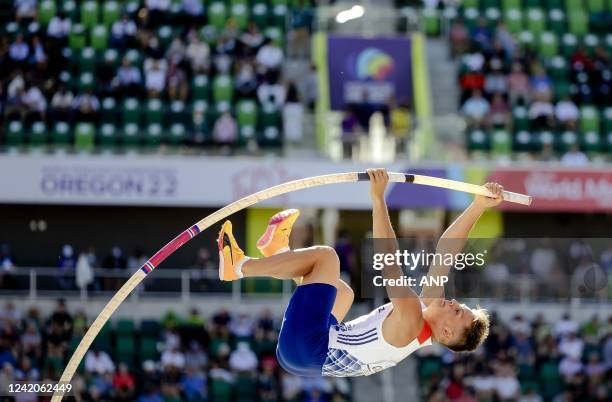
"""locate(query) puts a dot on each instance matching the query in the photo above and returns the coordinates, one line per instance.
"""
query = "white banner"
(170, 181)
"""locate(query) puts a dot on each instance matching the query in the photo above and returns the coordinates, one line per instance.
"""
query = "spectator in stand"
(128, 80)
(301, 22)
(472, 80)
(567, 113)
(178, 88)
(243, 360)
(246, 79)
(540, 83)
(500, 115)
(124, 383)
(61, 104)
(495, 81)
(157, 11)
(177, 51)
(35, 103)
(26, 10)
(575, 157)
(153, 50)
(84, 272)
(482, 35)
(243, 326)
(350, 130)
(476, 110)
(506, 40)
(86, 106)
(271, 93)
(194, 384)
(59, 28)
(198, 54)
(251, 40)
(541, 113)
(123, 33)
(400, 125)
(67, 265)
(155, 79)
(19, 50)
(193, 12)
(269, 57)
(38, 56)
(518, 83)
(310, 89)
(173, 358)
(98, 362)
(293, 115)
(224, 54)
(459, 37)
(225, 130)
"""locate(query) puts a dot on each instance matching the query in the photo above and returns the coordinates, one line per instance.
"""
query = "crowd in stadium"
(211, 77)
(526, 361)
(190, 358)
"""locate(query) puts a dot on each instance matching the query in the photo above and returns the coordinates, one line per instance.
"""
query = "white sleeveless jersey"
(358, 348)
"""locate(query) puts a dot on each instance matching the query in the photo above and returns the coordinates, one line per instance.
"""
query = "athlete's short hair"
(475, 334)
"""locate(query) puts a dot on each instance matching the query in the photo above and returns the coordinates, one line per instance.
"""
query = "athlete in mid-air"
(314, 341)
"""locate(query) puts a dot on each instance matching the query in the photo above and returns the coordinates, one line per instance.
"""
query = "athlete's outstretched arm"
(454, 238)
(403, 298)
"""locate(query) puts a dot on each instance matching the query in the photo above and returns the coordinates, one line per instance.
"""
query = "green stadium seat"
(569, 43)
(429, 366)
(566, 140)
(125, 350)
(276, 35)
(485, 4)
(111, 56)
(279, 12)
(270, 125)
(77, 38)
(131, 111)
(150, 328)
(84, 137)
(514, 20)
(524, 141)
(545, 138)
(608, 40)
(134, 56)
(556, 21)
(548, 45)
(200, 87)
(527, 39)
(11, 29)
(70, 9)
(607, 120)
(153, 134)
(148, 349)
(108, 110)
(89, 13)
(530, 4)
(165, 35)
(245, 389)
(470, 17)
(478, 140)
(578, 22)
(493, 16)
(177, 134)
(557, 68)
(220, 390)
(259, 14)
(217, 14)
(86, 81)
(520, 118)
(14, 133)
(246, 111)
(99, 37)
(535, 21)
(501, 143)
(608, 142)
(87, 60)
(223, 92)
(107, 135)
(591, 42)
(589, 118)
(132, 137)
(178, 112)
(154, 112)
(46, 11)
(38, 134)
(110, 12)
(471, 3)
(591, 142)
(240, 14)
(511, 4)
(61, 134)
(596, 6)
(125, 327)
(561, 88)
(571, 5)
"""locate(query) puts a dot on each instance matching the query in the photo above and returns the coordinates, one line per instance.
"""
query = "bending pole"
(236, 206)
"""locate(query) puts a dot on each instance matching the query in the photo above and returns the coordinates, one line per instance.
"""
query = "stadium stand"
(136, 74)
(192, 358)
(535, 76)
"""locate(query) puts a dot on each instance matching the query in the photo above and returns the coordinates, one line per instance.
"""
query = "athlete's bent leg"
(344, 300)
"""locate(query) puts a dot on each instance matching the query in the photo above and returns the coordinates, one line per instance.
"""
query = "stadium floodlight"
(353, 13)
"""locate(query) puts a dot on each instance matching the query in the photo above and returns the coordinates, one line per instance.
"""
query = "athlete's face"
(454, 317)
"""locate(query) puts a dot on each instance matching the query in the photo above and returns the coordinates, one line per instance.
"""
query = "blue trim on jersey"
(304, 336)
(357, 343)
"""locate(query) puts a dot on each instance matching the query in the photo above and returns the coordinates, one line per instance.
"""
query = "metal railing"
(34, 282)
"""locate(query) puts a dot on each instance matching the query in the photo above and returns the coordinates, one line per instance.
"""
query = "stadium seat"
(111, 56)
(501, 143)
(521, 122)
(14, 133)
(107, 135)
(200, 87)
(607, 120)
(220, 390)
(270, 125)
(46, 11)
(177, 134)
(77, 38)
(240, 14)
(569, 43)
(493, 16)
(86, 81)
(591, 142)
(153, 134)
(561, 88)
(578, 22)
(38, 134)
(524, 141)
(154, 112)
(245, 389)
(557, 68)
(125, 351)
(471, 4)
(87, 60)
(591, 42)
(589, 119)
(217, 14)
(178, 112)
(223, 92)
(556, 21)
(566, 140)
(527, 40)
(70, 10)
(514, 20)
(99, 37)
(61, 134)
(148, 349)
(596, 6)
(108, 110)
(478, 140)
(511, 4)
(259, 13)
(544, 138)
(548, 45)
(165, 35)
(531, 4)
(132, 137)
(279, 12)
(432, 21)
(89, 13)
(84, 137)
(131, 111)
(110, 12)
(535, 21)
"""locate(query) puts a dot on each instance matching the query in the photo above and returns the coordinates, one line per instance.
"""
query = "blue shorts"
(304, 335)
